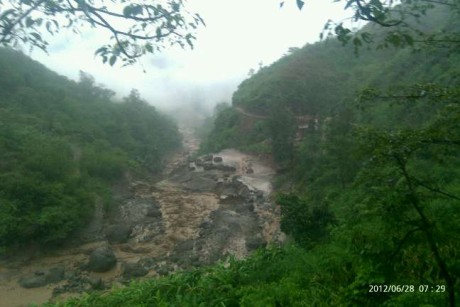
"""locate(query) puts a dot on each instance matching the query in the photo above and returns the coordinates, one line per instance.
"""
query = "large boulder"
(102, 259)
(118, 233)
(43, 277)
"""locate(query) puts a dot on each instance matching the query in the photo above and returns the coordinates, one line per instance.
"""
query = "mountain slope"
(62, 144)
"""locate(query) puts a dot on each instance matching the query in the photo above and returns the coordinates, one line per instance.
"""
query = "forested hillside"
(368, 142)
(319, 80)
(63, 144)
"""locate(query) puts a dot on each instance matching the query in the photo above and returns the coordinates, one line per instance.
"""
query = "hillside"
(319, 80)
(62, 145)
(366, 142)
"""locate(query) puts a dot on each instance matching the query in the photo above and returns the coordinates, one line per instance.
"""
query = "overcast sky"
(239, 34)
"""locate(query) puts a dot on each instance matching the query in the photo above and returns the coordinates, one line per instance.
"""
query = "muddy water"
(194, 216)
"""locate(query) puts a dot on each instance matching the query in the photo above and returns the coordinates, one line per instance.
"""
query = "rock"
(244, 192)
(55, 274)
(207, 158)
(225, 167)
(184, 247)
(118, 233)
(96, 282)
(70, 275)
(249, 171)
(206, 225)
(131, 270)
(218, 159)
(163, 270)
(200, 184)
(33, 281)
(148, 263)
(154, 211)
(102, 259)
(255, 242)
(42, 278)
(207, 166)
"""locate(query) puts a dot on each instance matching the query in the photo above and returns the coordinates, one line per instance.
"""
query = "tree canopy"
(400, 18)
(62, 146)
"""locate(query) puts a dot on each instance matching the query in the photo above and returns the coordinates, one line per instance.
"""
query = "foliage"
(373, 182)
(62, 144)
(307, 225)
(399, 22)
(136, 28)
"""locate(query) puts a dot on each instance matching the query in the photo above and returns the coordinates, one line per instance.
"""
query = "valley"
(201, 211)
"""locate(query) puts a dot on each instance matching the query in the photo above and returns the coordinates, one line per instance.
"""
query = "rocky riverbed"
(203, 210)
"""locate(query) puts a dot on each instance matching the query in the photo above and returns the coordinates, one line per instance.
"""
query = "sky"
(239, 34)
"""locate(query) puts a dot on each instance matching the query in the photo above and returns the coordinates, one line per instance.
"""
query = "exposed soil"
(202, 211)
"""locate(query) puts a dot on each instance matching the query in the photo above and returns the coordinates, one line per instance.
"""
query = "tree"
(136, 28)
(400, 18)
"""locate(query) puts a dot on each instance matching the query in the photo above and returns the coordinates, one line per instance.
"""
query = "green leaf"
(112, 60)
(102, 50)
(300, 4)
(36, 36)
(127, 11)
(29, 22)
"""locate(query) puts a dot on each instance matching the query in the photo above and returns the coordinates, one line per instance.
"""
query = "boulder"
(96, 282)
(200, 184)
(55, 274)
(218, 159)
(255, 242)
(154, 211)
(131, 270)
(208, 166)
(43, 277)
(102, 259)
(33, 281)
(118, 233)
(207, 158)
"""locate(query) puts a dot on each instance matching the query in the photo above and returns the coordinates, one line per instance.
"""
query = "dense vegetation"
(62, 144)
(370, 181)
(372, 185)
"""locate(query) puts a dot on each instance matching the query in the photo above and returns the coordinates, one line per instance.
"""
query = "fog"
(239, 35)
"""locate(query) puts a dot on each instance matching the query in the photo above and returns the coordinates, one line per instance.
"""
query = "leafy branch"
(136, 28)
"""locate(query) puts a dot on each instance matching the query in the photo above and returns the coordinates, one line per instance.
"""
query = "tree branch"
(435, 189)
(7, 30)
(427, 225)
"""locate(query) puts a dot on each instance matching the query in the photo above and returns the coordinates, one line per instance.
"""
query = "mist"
(238, 36)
